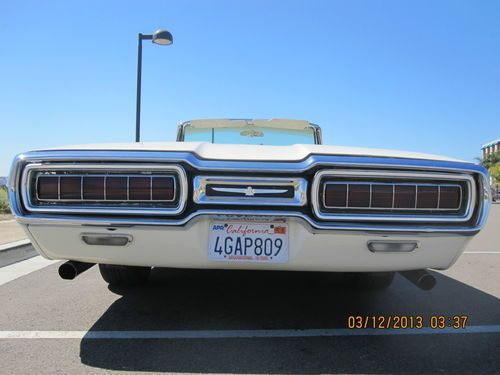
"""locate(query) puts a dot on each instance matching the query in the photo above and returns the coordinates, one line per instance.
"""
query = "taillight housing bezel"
(379, 177)
(175, 206)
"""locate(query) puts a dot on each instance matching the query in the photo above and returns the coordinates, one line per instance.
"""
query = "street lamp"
(161, 37)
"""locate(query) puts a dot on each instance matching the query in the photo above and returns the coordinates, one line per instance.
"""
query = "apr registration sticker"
(263, 242)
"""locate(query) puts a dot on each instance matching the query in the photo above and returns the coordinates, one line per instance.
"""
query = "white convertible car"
(248, 194)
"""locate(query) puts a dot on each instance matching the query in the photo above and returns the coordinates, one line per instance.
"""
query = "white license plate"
(248, 241)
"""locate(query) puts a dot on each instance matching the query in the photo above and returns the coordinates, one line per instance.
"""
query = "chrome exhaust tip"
(420, 278)
(71, 269)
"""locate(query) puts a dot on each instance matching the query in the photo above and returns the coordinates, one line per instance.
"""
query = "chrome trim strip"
(299, 186)
(27, 180)
(378, 228)
(121, 156)
(249, 192)
(280, 167)
(81, 188)
(393, 175)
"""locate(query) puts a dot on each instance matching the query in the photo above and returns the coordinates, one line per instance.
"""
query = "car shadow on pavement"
(250, 300)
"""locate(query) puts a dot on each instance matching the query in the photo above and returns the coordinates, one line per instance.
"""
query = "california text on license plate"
(248, 241)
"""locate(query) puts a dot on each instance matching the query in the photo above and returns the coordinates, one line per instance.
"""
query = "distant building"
(491, 147)
(488, 149)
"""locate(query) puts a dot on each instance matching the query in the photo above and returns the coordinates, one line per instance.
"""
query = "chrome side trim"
(299, 185)
(27, 181)
(393, 175)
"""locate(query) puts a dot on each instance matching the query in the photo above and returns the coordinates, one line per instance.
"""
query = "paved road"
(10, 231)
(195, 303)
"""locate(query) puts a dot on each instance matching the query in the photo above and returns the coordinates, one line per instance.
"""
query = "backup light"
(392, 246)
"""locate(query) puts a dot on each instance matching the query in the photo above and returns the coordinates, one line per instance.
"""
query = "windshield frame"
(318, 140)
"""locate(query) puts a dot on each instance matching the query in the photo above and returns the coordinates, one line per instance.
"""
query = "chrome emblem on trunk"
(249, 191)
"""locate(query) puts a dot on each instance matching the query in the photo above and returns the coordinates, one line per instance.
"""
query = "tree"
(492, 163)
(494, 171)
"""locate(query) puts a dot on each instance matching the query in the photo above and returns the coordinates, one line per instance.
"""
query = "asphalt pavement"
(10, 231)
(200, 321)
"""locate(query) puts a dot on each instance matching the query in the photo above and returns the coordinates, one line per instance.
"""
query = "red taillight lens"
(93, 188)
(336, 195)
(359, 195)
(116, 188)
(70, 187)
(106, 188)
(392, 196)
(48, 187)
(450, 197)
(427, 197)
(139, 188)
(404, 196)
(382, 196)
(163, 188)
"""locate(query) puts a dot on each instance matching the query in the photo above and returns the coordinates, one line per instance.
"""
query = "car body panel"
(227, 152)
(187, 247)
(315, 243)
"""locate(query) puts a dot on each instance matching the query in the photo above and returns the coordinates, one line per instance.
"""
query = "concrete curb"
(14, 245)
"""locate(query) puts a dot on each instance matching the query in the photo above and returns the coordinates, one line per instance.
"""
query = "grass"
(4, 201)
(3, 195)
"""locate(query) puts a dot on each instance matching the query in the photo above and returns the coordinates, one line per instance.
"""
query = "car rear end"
(174, 209)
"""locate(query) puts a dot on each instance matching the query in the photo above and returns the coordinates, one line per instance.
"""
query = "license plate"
(248, 241)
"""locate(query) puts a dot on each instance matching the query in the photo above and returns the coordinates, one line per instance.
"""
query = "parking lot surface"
(10, 231)
(194, 321)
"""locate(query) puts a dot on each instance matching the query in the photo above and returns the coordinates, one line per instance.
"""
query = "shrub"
(4, 207)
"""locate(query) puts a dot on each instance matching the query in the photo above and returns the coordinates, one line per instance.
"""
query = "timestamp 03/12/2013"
(407, 321)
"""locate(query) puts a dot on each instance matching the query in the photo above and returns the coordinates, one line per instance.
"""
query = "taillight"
(405, 196)
(117, 189)
(449, 197)
(163, 188)
(70, 187)
(48, 187)
(365, 195)
(93, 188)
(391, 196)
(106, 188)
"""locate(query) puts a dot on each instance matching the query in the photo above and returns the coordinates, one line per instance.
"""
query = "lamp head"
(162, 37)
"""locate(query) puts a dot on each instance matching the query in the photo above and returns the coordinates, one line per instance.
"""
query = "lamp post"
(161, 37)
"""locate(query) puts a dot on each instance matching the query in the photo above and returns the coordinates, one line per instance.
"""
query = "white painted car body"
(186, 247)
(314, 244)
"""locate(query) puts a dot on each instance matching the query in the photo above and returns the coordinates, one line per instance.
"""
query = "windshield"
(250, 135)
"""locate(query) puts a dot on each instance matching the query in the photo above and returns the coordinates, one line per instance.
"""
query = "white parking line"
(481, 252)
(14, 244)
(16, 270)
(7, 221)
(240, 334)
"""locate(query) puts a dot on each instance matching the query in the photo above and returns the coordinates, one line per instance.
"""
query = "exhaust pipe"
(71, 269)
(420, 278)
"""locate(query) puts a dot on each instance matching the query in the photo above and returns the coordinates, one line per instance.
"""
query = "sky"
(411, 75)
